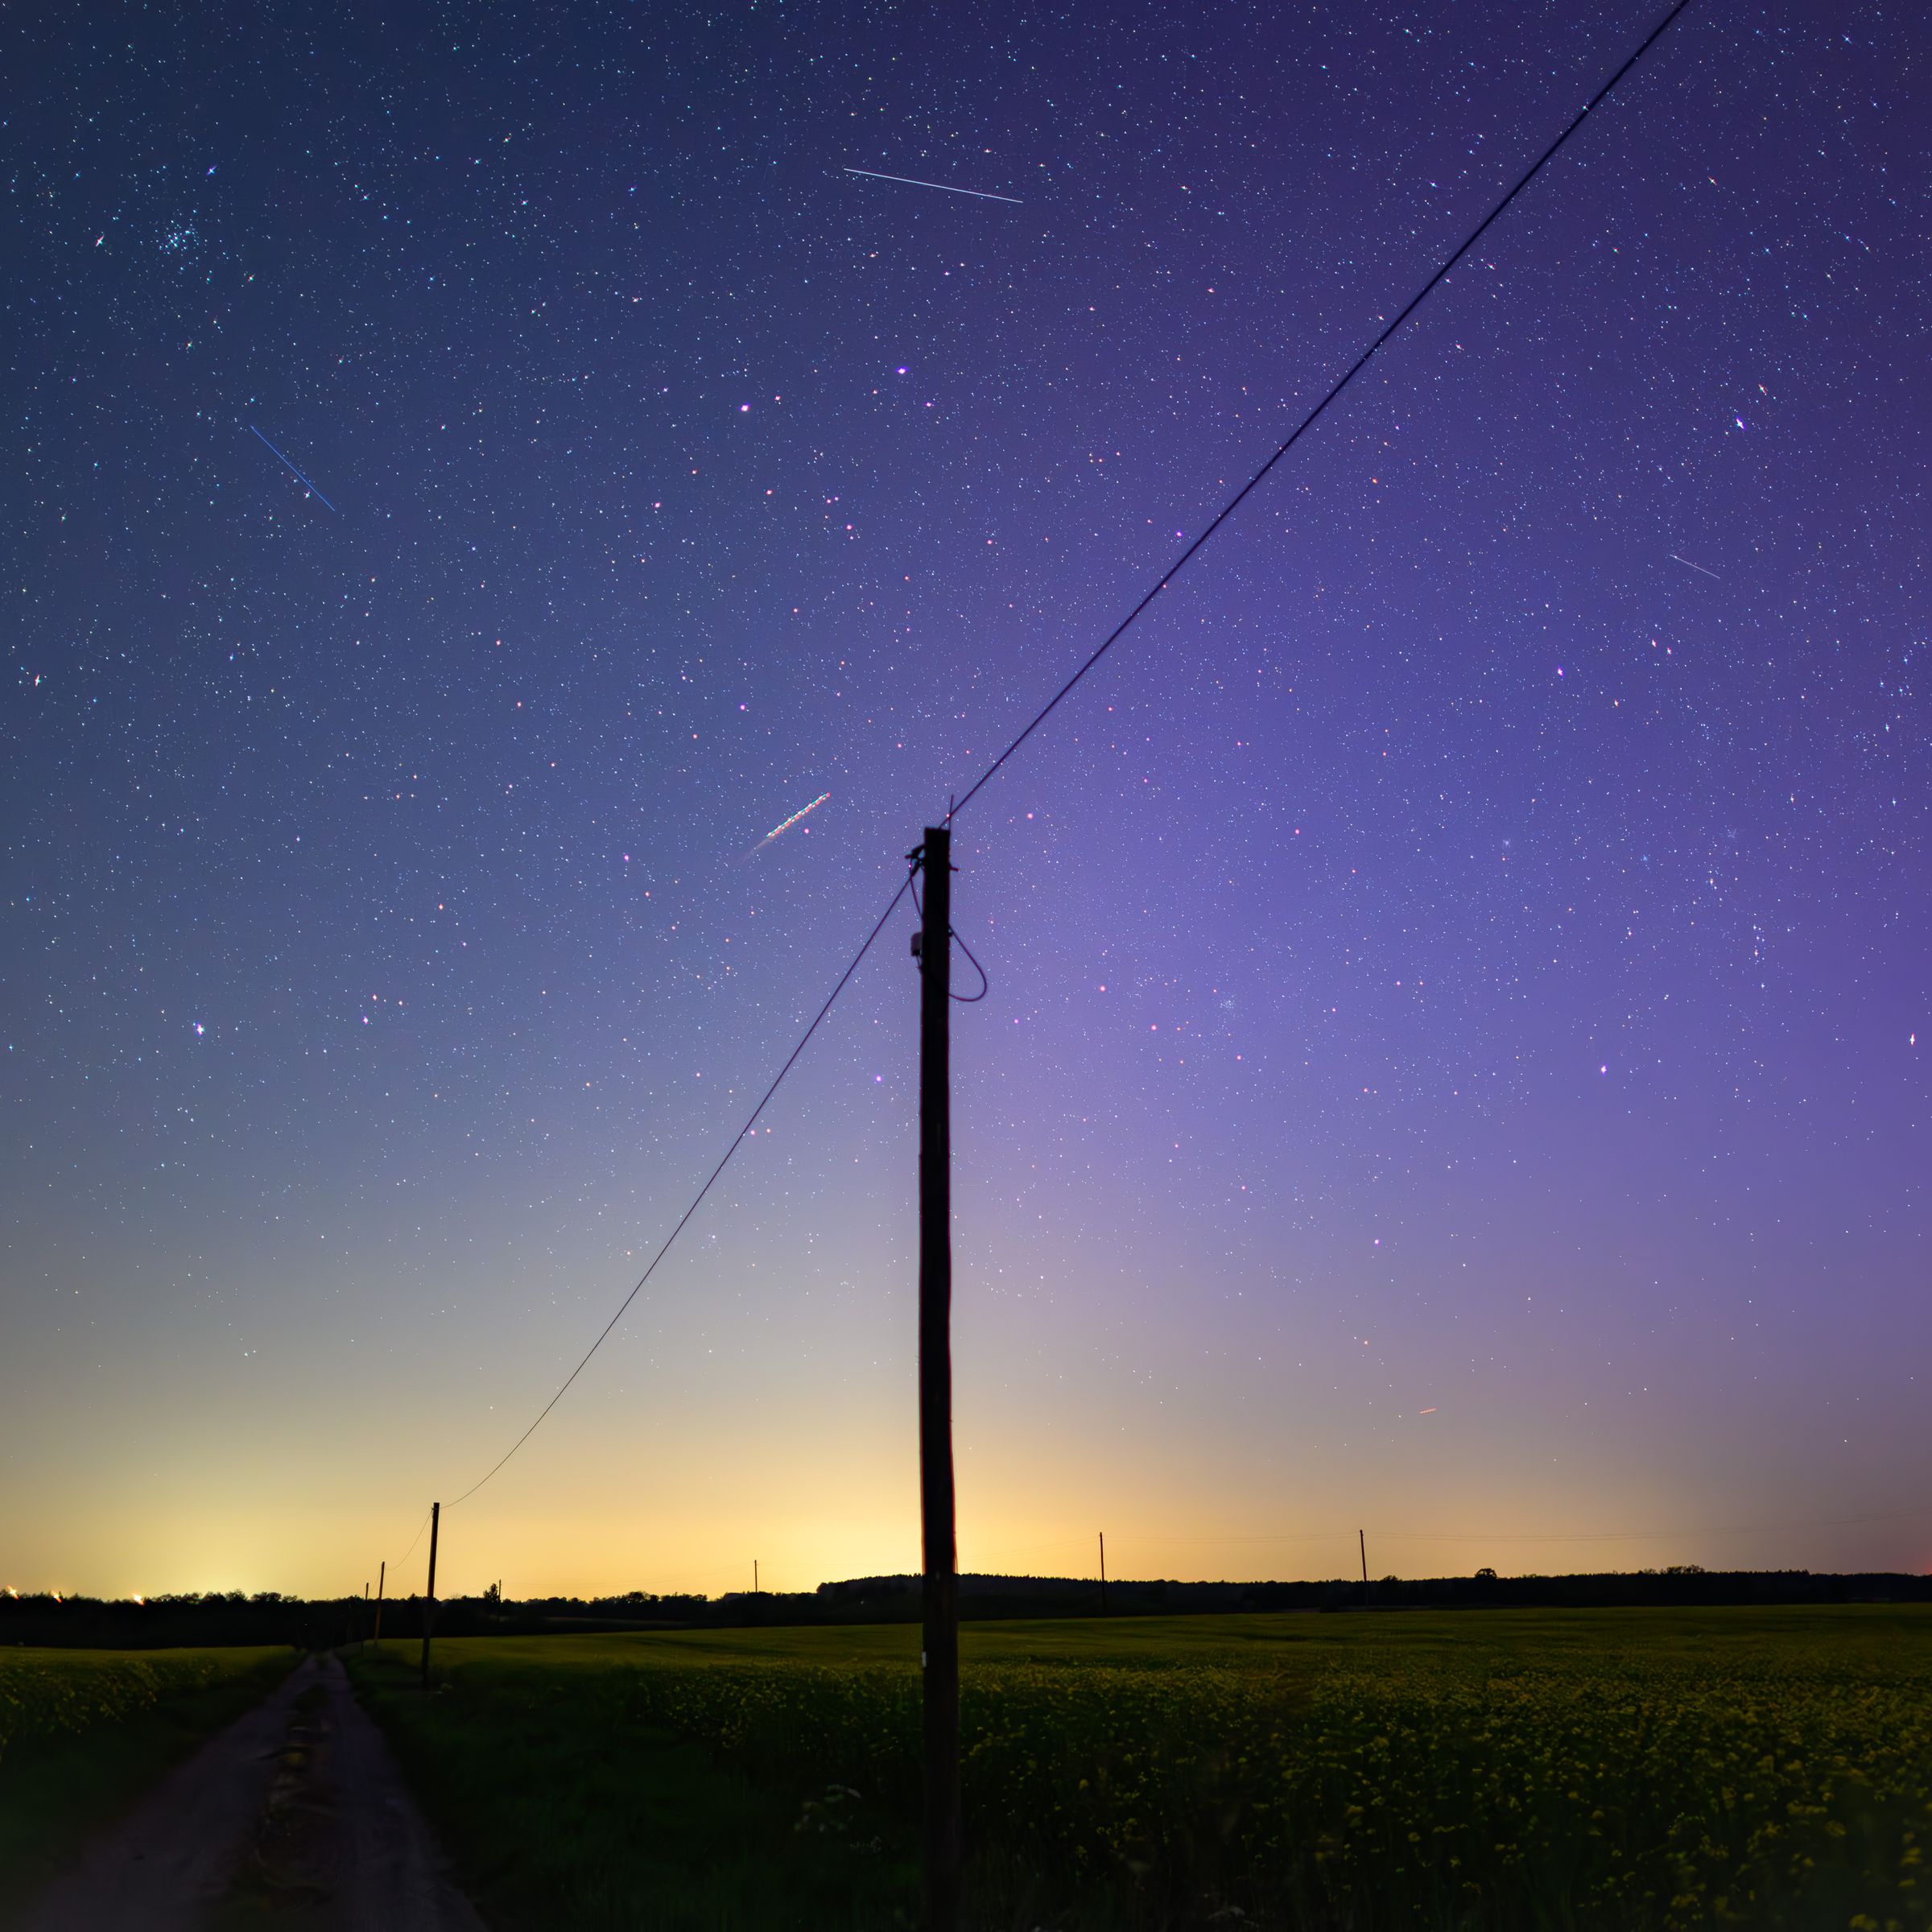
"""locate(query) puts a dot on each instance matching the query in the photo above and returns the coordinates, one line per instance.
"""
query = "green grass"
(84, 1732)
(561, 1811)
(1626, 1770)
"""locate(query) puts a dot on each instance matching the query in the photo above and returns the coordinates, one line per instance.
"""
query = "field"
(82, 1732)
(1623, 1769)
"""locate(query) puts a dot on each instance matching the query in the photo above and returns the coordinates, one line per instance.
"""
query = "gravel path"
(295, 1815)
(392, 1877)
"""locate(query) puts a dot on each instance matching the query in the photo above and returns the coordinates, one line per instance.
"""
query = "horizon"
(911, 1579)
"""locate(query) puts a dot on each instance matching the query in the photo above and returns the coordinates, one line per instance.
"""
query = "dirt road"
(294, 1817)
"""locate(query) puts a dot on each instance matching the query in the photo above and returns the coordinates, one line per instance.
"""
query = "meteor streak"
(785, 825)
(872, 174)
(294, 473)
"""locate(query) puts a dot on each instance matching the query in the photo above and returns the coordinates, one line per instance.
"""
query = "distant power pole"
(754, 1576)
(381, 1578)
(1361, 1536)
(429, 1607)
(1103, 1573)
(940, 1657)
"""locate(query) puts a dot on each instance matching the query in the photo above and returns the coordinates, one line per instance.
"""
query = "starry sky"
(1455, 1061)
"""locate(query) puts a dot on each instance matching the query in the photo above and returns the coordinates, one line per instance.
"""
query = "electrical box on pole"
(940, 1657)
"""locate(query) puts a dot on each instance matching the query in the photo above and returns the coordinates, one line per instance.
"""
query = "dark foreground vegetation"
(269, 1617)
(81, 1735)
(1627, 1770)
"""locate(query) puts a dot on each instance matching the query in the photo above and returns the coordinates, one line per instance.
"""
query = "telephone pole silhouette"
(933, 946)
(429, 1602)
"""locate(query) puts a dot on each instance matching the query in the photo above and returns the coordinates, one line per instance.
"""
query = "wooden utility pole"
(1103, 1573)
(1361, 1536)
(754, 1576)
(429, 1606)
(381, 1578)
(940, 1657)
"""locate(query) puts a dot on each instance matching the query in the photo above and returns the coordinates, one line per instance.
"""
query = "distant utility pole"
(1103, 1573)
(429, 1607)
(754, 1576)
(381, 1578)
(1361, 1536)
(940, 1657)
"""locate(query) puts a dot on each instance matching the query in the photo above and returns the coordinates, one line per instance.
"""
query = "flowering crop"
(1367, 1789)
(47, 1695)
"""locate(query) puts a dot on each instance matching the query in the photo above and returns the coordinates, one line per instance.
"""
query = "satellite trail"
(296, 473)
(785, 825)
(1689, 565)
(872, 174)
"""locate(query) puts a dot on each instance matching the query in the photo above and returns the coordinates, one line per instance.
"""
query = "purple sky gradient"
(1456, 1057)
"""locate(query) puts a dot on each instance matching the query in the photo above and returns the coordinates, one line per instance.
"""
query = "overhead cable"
(1114, 637)
(737, 1141)
(1314, 415)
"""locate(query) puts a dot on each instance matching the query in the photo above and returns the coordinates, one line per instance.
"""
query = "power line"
(414, 1540)
(697, 1200)
(1107, 644)
(1309, 421)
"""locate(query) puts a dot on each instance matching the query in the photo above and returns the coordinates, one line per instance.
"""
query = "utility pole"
(381, 1578)
(1103, 1573)
(940, 1657)
(754, 1576)
(1361, 1536)
(429, 1606)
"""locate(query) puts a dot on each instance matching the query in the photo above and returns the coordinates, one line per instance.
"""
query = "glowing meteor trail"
(978, 194)
(294, 473)
(785, 825)
(1689, 565)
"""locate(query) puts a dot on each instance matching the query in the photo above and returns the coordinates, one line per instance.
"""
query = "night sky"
(1456, 1060)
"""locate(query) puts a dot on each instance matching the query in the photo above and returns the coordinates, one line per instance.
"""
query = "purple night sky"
(1456, 1060)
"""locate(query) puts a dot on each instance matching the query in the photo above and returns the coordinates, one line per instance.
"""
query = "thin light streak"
(785, 825)
(294, 473)
(977, 194)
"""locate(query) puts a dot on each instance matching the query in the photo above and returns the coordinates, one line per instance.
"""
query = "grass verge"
(83, 1733)
(561, 1811)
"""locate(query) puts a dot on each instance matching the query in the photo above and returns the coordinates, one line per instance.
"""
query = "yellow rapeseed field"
(45, 1695)
(1763, 1773)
